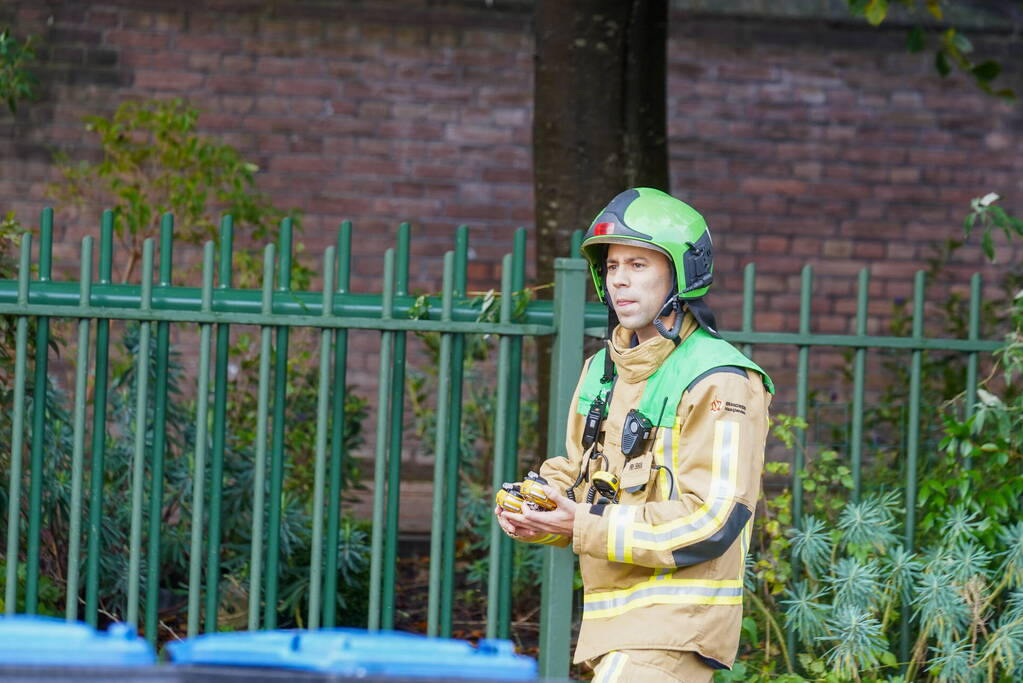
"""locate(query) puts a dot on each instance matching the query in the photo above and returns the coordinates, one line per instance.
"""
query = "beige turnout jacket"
(663, 569)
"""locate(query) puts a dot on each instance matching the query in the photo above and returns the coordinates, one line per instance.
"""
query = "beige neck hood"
(637, 363)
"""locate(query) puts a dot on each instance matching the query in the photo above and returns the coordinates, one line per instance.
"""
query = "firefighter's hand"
(509, 527)
(560, 520)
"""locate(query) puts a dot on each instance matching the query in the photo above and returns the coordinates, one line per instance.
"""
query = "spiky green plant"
(856, 582)
(1004, 647)
(953, 663)
(901, 567)
(804, 612)
(812, 545)
(970, 559)
(1014, 606)
(1011, 538)
(859, 641)
(963, 523)
(942, 610)
(866, 526)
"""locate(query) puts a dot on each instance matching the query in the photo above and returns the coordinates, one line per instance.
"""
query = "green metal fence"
(332, 312)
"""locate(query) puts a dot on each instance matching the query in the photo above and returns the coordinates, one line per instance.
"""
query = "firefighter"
(665, 449)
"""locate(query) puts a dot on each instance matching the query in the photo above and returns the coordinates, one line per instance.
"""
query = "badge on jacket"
(636, 471)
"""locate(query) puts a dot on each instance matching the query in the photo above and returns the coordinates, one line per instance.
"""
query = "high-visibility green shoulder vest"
(698, 354)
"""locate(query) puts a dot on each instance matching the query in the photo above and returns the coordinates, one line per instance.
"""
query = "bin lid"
(26, 639)
(355, 652)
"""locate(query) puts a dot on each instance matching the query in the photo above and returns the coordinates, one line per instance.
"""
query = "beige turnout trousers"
(651, 666)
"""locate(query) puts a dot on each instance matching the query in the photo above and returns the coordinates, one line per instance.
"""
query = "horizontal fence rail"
(94, 301)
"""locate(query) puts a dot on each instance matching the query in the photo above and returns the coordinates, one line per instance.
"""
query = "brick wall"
(802, 141)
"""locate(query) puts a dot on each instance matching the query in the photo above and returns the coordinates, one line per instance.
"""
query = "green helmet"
(646, 217)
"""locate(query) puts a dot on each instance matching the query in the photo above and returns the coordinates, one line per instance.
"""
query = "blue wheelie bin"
(344, 654)
(41, 649)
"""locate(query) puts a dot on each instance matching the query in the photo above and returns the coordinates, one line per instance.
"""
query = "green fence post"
(802, 398)
(159, 438)
(495, 585)
(201, 447)
(380, 460)
(913, 440)
(273, 544)
(99, 428)
(396, 417)
(337, 434)
(35, 495)
(749, 292)
(566, 364)
(454, 442)
(17, 431)
(972, 359)
(262, 414)
(219, 428)
(438, 528)
(78, 441)
(138, 464)
(511, 472)
(859, 372)
(320, 463)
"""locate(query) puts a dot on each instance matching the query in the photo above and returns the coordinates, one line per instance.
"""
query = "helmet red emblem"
(603, 229)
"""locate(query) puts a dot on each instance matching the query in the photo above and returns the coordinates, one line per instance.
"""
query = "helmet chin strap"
(671, 305)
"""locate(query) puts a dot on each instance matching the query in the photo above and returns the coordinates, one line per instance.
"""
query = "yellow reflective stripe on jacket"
(544, 540)
(666, 455)
(708, 518)
(745, 537)
(662, 590)
(610, 668)
(619, 532)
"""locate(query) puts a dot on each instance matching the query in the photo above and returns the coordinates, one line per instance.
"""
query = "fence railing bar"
(259, 479)
(273, 545)
(559, 563)
(159, 438)
(454, 455)
(17, 434)
(78, 440)
(199, 460)
(749, 279)
(537, 321)
(437, 526)
(99, 430)
(316, 321)
(185, 300)
(337, 437)
(380, 454)
(913, 441)
(396, 418)
(802, 396)
(320, 462)
(38, 423)
(859, 373)
(802, 393)
(138, 463)
(913, 429)
(219, 425)
(495, 585)
(511, 472)
(972, 359)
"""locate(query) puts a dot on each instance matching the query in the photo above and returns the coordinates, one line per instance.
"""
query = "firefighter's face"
(638, 282)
